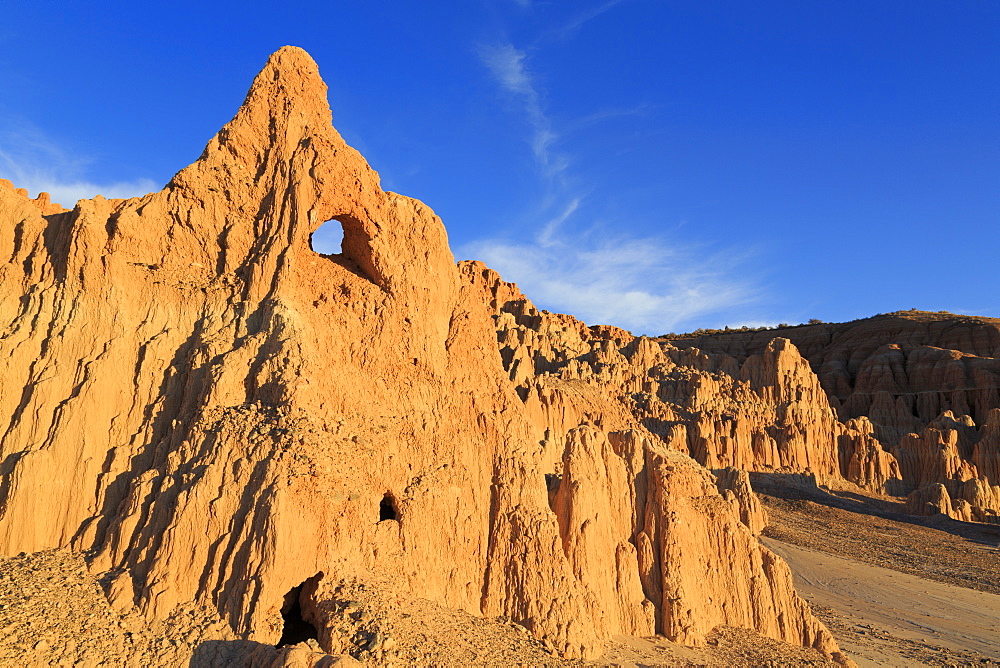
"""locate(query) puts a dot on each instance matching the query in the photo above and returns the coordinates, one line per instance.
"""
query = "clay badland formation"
(234, 430)
(926, 385)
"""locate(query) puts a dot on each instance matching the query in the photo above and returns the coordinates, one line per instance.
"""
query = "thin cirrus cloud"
(565, 31)
(648, 285)
(507, 65)
(30, 160)
(645, 285)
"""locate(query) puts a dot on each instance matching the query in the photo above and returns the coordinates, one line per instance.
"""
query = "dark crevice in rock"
(387, 508)
(296, 628)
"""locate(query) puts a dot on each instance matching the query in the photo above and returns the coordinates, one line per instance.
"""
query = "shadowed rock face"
(216, 414)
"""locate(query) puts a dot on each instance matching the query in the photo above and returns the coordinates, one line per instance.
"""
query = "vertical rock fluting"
(660, 548)
(951, 468)
(218, 414)
(225, 409)
(643, 526)
(926, 362)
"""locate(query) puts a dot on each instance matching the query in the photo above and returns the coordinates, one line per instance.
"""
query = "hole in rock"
(387, 508)
(296, 628)
(344, 241)
(328, 239)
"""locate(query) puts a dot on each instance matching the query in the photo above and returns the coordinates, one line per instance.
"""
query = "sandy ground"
(894, 589)
(53, 612)
(960, 625)
(726, 647)
(872, 531)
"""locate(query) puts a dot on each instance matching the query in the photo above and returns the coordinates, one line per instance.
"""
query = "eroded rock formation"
(218, 415)
(43, 202)
(921, 383)
(768, 413)
(764, 409)
(951, 467)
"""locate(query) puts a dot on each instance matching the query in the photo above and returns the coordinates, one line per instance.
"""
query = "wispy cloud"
(546, 236)
(574, 264)
(32, 161)
(646, 285)
(507, 64)
(582, 123)
(569, 28)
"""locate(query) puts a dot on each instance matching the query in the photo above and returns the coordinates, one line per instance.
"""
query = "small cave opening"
(552, 482)
(387, 508)
(296, 629)
(328, 239)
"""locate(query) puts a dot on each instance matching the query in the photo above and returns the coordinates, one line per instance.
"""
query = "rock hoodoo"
(219, 416)
(750, 400)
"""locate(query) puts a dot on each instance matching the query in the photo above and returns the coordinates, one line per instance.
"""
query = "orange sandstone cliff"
(217, 415)
(751, 400)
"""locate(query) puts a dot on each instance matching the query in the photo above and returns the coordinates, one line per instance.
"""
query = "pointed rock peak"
(279, 170)
(292, 58)
(780, 344)
(287, 95)
(285, 111)
(290, 72)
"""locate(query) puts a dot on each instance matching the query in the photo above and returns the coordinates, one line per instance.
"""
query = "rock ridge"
(921, 382)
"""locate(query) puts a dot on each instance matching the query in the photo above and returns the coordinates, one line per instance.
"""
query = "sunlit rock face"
(766, 412)
(218, 414)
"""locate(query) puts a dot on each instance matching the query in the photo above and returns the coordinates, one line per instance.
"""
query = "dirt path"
(948, 551)
(888, 618)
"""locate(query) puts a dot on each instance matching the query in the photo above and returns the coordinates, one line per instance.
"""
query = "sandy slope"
(942, 619)
(53, 612)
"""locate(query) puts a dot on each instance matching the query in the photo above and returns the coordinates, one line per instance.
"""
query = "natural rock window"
(328, 239)
(343, 241)
(387, 508)
(296, 628)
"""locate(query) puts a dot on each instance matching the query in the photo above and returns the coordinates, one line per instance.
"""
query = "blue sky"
(657, 165)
